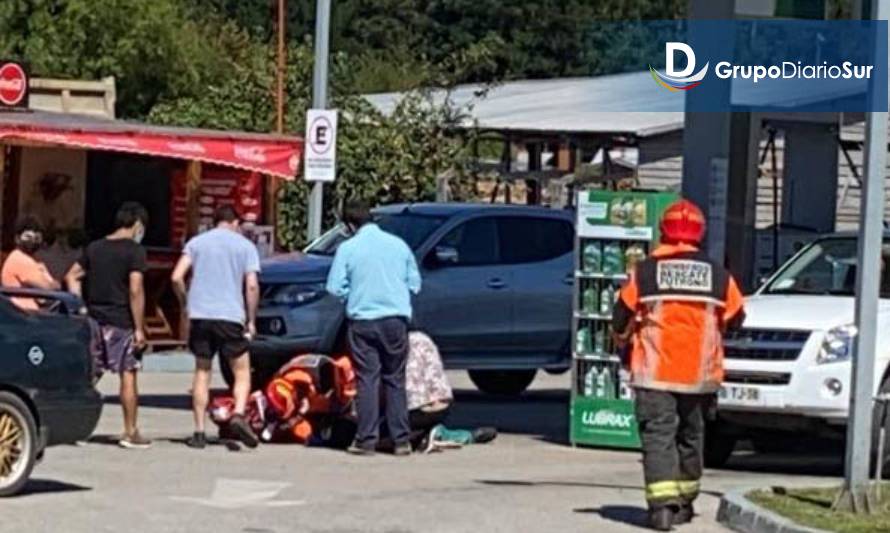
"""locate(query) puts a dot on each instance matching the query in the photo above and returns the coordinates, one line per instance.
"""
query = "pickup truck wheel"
(718, 446)
(502, 382)
(18, 443)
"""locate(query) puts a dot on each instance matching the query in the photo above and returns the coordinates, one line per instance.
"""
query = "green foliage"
(541, 39)
(380, 157)
(155, 49)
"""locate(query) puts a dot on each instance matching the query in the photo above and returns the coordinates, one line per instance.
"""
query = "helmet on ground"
(682, 222)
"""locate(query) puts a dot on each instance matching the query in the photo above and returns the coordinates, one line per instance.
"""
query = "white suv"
(788, 369)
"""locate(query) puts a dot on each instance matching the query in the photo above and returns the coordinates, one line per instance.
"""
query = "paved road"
(529, 480)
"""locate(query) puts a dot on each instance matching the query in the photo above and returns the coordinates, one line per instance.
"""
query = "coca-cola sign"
(13, 85)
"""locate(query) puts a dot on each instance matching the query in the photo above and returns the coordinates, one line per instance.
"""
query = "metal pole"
(319, 101)
(279, 104)
(859, 427)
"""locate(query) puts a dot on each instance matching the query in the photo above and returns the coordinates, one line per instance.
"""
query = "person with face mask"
(22, 270)
(113, 268)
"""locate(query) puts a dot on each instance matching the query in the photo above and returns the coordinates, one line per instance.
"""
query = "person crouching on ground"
(115, 298)
(430, 400)
(675, 307)
(22, 270)
(224, 266)
(376, 273)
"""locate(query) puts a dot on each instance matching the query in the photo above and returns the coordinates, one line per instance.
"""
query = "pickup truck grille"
(765, 344)
(758, 378)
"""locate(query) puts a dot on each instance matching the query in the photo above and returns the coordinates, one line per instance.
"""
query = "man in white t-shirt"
(222, 300)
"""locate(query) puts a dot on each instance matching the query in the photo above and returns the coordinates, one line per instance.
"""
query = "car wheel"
(18, 443)
(718, 446)
(503, 382)
(557, 371)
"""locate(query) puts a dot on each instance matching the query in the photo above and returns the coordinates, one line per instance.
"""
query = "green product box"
(630, 215)
(598, 422)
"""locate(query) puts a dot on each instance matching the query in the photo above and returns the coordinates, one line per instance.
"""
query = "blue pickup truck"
(497, 285)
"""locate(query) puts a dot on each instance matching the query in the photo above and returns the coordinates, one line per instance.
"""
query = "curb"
(738, 513)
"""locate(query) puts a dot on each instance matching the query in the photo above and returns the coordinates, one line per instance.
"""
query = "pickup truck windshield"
(412, 228)
(827, 267)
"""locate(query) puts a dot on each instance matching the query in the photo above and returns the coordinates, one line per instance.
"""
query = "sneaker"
(357, 449)
(198, 441)
(134, 441)
(402, 449)
(428, 444)
(661, 519)
(484, 435)
(243, 431)
(684, 515)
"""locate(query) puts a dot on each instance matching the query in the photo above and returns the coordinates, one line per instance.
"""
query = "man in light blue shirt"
(375, 273)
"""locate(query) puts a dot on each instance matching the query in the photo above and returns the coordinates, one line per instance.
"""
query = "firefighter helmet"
(682, 222)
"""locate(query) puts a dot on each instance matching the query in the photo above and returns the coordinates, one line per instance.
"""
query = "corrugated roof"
(564, 105)
(619, 104)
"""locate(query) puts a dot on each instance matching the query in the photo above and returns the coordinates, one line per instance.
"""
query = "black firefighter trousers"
(672, 430)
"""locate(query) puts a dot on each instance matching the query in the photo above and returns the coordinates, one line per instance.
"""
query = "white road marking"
(240, 493)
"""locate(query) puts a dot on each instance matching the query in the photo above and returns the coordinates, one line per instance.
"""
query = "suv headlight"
(837, 346)
(295, 295)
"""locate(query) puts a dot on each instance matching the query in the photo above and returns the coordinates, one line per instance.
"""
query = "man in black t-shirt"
(113, 269)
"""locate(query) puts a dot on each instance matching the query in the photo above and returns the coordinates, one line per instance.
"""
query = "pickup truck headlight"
(296, 295)
(837, 346)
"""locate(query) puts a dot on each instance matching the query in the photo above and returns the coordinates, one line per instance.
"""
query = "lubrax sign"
(14, 85)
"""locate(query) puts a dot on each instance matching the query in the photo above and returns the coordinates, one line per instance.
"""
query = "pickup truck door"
(539, 252)
(465, 303)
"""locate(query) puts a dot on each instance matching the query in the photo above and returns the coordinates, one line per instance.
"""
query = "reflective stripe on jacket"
(678, 303)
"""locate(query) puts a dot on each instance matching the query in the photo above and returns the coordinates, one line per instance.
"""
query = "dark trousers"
(672, 430)
(421, 422)
(380, 351)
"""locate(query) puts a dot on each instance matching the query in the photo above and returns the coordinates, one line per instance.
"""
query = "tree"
(154, 49)
(541, 39)
(379, 156)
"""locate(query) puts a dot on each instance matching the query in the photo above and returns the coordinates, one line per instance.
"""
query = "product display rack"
(614, 230)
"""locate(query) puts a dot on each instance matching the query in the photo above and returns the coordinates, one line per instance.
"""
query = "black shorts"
(209, 337)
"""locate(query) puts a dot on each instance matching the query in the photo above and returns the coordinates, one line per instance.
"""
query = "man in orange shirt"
(675, 308)
(21, 270)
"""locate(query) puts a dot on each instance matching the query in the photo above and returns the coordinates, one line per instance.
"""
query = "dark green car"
(47, 393)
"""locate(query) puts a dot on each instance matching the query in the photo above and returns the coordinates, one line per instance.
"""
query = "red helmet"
(683, 221)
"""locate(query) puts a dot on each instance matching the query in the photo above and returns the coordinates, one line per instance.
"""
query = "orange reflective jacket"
(676, 305)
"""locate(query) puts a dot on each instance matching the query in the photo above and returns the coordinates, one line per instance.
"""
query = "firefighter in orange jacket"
(674, 310)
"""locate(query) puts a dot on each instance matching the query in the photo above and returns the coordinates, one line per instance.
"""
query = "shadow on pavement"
(542, 413)
(625, 514)
(165, 401)
(793, 463)
(49, 486)
(583, 484)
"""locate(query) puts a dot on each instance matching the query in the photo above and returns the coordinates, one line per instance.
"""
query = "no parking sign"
(321, 145)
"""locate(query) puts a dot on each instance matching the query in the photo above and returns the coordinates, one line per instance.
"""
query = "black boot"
(661, 518)
(684, 515)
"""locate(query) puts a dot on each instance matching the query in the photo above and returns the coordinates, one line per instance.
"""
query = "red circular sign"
(13, 84)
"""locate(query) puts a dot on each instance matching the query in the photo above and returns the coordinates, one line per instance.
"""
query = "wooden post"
(192, 191)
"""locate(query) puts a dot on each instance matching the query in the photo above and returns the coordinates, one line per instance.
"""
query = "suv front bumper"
(800, 387)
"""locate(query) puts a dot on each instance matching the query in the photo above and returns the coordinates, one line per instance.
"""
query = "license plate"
(740, 394)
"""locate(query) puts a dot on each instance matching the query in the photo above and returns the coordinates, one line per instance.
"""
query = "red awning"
(274, 155)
